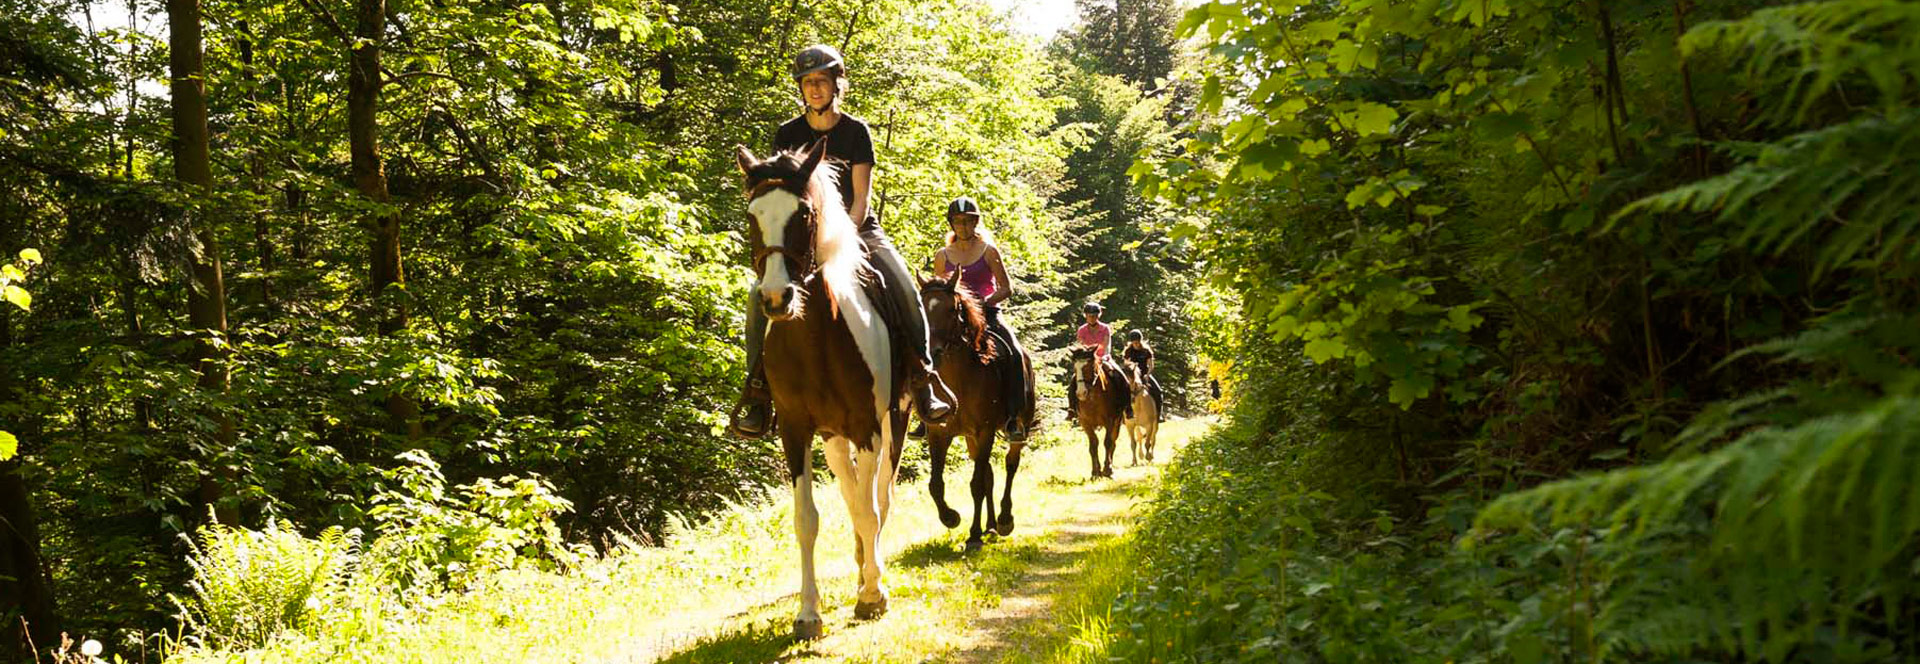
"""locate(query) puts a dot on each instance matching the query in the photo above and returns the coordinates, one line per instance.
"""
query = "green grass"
(724, 590)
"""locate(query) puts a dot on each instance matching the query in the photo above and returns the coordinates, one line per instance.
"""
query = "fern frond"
(1817, 46)
(1803, 520)
(1852, 188)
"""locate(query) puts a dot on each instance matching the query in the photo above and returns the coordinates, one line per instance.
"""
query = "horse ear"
(919, 282)
(814, 153)
(743, 158)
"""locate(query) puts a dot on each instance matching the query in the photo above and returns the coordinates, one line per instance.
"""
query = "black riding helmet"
(816, 58)
(1135, 335)
(1092, 308)
(963, 205)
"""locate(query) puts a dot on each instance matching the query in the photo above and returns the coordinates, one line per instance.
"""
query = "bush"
(431, 541)
(250, 584)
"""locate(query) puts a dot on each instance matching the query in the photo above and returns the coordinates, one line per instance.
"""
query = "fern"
(1813, 48)
(249, 585)
(1854, 186)
(1805, 520)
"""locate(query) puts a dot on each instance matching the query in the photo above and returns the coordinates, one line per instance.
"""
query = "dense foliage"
(1575, 331)
(512, 252)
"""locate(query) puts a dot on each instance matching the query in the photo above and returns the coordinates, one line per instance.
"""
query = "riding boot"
(932, 401)
(1073, 395)
(752, 417)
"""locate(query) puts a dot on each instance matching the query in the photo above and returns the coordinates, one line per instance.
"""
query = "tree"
(1132, 39)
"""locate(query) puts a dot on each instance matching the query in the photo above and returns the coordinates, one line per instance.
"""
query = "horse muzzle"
(781, 304)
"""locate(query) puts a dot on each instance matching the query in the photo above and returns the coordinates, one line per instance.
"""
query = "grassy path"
(724, 590)
(1001, 604)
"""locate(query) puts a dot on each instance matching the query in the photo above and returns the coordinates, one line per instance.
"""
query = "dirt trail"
(996, 605)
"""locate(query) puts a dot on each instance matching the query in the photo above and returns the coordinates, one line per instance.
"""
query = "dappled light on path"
(947, 605)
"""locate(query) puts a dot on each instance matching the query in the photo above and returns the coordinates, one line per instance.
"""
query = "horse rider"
(821, 76)
(970, 250)
(1140, 354)
(1097, 336)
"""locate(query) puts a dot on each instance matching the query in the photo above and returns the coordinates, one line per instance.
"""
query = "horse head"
(955, 317)
(785, 205)
(1087, 366)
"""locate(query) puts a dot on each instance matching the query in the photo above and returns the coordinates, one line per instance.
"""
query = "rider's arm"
(862, 175)
(1002, 286)
(940, 266)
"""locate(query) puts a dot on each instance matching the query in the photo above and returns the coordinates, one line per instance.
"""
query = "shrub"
(250, 584)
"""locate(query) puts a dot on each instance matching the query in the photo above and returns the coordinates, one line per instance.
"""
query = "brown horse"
(965, 354)
(1143, 429)
(831, 366)
(1098, 405)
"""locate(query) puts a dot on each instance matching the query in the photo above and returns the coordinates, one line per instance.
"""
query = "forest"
(1537, 331)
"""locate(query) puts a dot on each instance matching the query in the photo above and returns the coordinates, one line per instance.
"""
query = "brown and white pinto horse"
(966, 357)
(1098, 405)
(829, 360)
(1143, 429)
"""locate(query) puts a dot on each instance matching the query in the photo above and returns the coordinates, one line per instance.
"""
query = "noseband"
(807, 266)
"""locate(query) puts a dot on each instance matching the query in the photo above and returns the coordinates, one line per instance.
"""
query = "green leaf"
(1370, 118)
(9, 446)
(1463, 319)
(1322, 350)
(1409, 389)
(18, 296)
(30, 256)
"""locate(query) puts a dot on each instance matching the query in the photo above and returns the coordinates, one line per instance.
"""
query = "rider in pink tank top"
(978, 276)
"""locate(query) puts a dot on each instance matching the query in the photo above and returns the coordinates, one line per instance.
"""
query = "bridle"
(807, 266)
(955, 336)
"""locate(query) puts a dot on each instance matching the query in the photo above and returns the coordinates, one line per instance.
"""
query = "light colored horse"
(831, 366)
(1143, 429)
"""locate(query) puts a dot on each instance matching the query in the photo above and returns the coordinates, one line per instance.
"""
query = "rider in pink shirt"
(1098, 336)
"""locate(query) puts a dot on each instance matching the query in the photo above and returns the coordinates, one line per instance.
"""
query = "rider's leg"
(935, 402)
(1013, 375)
(1159, 400)
(754, 413)
(1119, 383)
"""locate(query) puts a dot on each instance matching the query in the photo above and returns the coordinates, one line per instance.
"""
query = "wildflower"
(90, 648)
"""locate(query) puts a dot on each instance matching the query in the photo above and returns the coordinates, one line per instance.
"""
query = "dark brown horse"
(965, 354)
(829, 362)
(1098, 405)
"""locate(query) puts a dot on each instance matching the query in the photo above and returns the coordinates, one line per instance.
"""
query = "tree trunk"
(207, 298)
(24, 584)
(370, 177)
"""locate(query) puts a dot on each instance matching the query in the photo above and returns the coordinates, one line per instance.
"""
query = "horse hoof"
(807, 630)
(1005, 525)
(870, 610)
(949, 517)
(973, 545)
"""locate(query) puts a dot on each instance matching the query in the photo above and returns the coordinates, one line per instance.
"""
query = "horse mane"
(836, 238)
(976, 318)
(972, 314)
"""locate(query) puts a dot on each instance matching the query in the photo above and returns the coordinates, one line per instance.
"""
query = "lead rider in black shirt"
(822, 77)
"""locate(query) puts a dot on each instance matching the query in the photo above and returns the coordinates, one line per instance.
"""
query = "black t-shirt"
(1138, 355)
(848, 144)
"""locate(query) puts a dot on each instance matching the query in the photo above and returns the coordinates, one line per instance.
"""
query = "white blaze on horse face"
(772, 211)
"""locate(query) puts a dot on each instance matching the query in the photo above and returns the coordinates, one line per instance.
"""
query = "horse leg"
(1133, 441)
(1005, 525)
(1113, 441)
(806, 528)
(885, 466)
(1093, 449)
(937, 483)
(982, 486)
